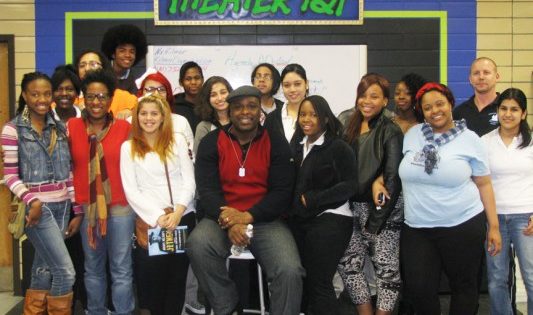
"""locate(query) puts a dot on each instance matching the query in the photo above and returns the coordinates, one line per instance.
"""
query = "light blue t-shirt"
(447, 197)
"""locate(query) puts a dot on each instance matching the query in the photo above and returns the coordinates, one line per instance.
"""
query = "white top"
(511, 171)
(181, 126)
(343, 209)
(145, 182)
(289, 123)
(78, 113)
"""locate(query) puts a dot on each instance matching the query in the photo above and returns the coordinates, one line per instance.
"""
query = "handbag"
(141, 227)
(17, 218)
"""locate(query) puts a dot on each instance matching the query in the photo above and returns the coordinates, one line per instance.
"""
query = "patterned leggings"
(384, 251)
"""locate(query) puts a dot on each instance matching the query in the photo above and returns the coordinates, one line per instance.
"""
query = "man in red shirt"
(244, 175)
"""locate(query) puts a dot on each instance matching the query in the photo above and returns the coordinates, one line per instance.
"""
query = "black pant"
(457, 251)
(321, 243)
(161, 279)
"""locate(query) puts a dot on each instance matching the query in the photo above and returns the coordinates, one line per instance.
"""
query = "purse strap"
(168, 184)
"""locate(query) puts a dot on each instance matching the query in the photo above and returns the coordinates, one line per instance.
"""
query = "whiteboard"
(333, 71)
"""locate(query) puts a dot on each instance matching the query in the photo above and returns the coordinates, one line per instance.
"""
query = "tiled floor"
(12, 305)
(8, 301)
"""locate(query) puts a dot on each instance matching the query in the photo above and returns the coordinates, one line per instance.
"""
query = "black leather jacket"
(379, 152)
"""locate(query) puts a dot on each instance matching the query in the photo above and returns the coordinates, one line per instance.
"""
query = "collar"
(124, 75)
(227, 128)
(319, 141)
(50, 121)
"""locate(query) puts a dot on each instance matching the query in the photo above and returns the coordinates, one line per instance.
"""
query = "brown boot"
(35, 302)
(60, 305)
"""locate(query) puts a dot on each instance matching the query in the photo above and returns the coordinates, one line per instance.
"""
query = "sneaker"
(195, 308)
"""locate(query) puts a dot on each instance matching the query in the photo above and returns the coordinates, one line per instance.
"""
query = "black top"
(186, 109)
(479, 122)
(326, 177)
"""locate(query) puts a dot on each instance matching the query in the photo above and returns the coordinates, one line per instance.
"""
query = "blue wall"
(50, 30)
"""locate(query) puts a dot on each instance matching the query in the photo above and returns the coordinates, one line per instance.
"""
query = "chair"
(247, 255)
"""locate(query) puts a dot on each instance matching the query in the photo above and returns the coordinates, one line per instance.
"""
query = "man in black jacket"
(244, 175)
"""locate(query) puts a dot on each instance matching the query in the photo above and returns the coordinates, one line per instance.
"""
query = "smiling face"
(294, 88)
(245, 113)
(263, 80)
(309, 121)
(89, 61)
(510, 115)
(150, 118)
(97, 101)
(217, 97)
(65, 95)
(371, 102)
(437, 111)
(124, 56)
(484, 76)
(402, 97)
(38, 97)
(154, 87)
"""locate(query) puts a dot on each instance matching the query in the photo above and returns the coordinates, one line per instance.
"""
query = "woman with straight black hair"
(295, 88)
(510, 159)
(321, 219)
(66, 87)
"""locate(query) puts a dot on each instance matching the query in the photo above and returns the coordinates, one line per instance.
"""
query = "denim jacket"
(36, 166)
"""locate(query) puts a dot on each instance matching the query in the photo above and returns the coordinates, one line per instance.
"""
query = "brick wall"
(505, 34)
(17, 17)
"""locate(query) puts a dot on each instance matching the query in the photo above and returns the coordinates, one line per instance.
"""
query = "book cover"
(163, 242)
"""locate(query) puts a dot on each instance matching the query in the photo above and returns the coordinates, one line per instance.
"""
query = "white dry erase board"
(333, 71)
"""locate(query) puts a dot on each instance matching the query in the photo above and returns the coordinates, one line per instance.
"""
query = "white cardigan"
(145, 182)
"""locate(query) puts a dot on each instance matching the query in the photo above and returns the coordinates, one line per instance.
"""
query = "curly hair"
(125, 34)
(106, 77)
(203, 107)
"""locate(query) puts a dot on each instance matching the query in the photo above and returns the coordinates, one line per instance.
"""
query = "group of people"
(412, 191)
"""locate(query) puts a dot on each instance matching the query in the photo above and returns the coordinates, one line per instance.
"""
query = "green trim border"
(441, 15)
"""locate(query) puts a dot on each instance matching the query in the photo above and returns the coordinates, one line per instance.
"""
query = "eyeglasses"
(92, 97)
(91, 64)
(266, 77)
(152, 89)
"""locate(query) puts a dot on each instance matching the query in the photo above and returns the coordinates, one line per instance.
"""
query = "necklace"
(242, 170)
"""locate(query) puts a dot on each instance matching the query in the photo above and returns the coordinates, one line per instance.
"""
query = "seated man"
(244, 175)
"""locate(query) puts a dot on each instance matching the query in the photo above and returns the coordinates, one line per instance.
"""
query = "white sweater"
(145, 182)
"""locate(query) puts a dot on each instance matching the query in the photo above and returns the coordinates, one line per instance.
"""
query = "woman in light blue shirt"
(448, 200)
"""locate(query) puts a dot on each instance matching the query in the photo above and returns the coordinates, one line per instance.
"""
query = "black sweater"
(326, 177)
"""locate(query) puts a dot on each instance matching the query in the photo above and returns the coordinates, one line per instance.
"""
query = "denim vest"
(36, 166)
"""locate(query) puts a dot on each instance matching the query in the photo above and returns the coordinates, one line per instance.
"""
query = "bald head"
(484, 76)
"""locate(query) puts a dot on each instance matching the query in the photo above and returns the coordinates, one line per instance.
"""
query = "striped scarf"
(430, 150)
(99, 189)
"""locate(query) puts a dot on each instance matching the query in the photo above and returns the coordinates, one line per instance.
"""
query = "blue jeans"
(272, 245)
(511, 229)
(115, 247)
(52, 268)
